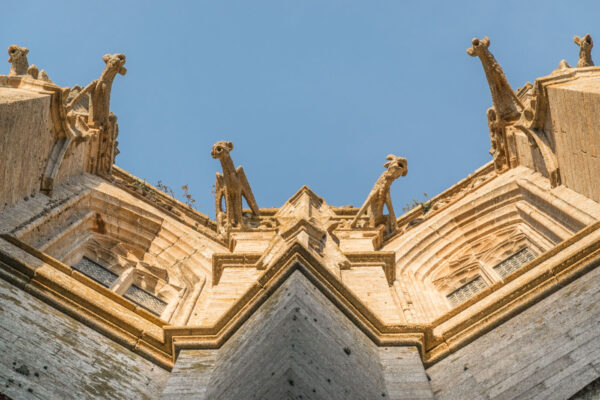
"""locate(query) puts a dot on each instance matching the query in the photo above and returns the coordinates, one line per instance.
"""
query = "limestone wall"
(45, 354)
(25, 142)
(575, 110)
(550, 351)
(299, 345)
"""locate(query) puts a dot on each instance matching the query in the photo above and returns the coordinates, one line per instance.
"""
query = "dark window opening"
(96, 271)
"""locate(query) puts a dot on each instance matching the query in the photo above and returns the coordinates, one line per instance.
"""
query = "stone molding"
(133, 327)
(167, 204)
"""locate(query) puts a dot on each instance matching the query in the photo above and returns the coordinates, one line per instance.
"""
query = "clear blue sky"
(310, 92)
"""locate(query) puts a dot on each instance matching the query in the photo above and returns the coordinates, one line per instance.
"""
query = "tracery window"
(467, 291)
(480, 274)
(127, 282)
(96, 271)
(514, 262)
(143, 298)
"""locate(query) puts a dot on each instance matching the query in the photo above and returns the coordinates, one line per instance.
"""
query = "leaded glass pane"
(514, 262)
(145, 299)
(467, 291)
(96, 271)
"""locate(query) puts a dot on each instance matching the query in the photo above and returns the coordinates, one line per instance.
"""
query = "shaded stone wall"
(550, 351)
(45, 354)
(299, 345)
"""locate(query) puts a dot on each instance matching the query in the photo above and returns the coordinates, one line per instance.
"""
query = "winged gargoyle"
(380, 195)
(232, 185)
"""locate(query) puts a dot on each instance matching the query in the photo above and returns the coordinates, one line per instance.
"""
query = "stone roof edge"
(77, 295)
(153, 196)
(450, 196)
(541, 84)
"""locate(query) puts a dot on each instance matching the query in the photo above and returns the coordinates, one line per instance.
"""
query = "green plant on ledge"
(424, 204)
(187, 197)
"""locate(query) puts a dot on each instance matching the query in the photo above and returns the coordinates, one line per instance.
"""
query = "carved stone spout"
(101, 88)
(585, 50)
(507, 105)
(380, 196)
(231, 185)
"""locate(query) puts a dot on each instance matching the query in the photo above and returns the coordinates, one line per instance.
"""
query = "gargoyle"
(380, 195)
(100, 89)
(507, 105)
(19, 66)
(585, 50)
(17, 57)
(232, 185)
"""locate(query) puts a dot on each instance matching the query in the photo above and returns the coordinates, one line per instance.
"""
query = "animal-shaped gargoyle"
(17, 57)
(100, 89)
(585, 50)
(232, 185)
(507, 105)
(19, 66)
(380, 196)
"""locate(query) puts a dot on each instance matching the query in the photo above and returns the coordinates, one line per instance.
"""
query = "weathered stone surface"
(390, 279)
(549, 351)
(299, 344)
(24, 120)
(45, 354)
(574, 107)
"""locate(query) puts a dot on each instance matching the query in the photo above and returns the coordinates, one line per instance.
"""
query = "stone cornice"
(78, 296)
(449, 196)
(169, 205)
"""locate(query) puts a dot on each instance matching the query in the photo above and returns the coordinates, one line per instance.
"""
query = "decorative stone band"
(449, 196)
(137, 329)
(173, 207)
(384, 259)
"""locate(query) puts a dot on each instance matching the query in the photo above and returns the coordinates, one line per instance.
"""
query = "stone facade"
(113, 289)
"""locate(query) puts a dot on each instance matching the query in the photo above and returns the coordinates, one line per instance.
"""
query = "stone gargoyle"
(508, 107)
(19, 65)
(585, 50)
(233, 185)
(380, 196)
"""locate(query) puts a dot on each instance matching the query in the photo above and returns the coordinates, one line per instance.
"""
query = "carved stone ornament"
(19, 65)
(585, 50)
(507, 105)
(380, 196)
(17, 57)
(498, 149)
(231, 185)
(88, 113)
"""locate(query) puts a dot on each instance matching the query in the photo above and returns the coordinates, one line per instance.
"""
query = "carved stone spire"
(380, 196)
(231, 185)
(507, 105)
(585, 50)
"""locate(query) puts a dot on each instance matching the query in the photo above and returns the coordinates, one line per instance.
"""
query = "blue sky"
(309, 92)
